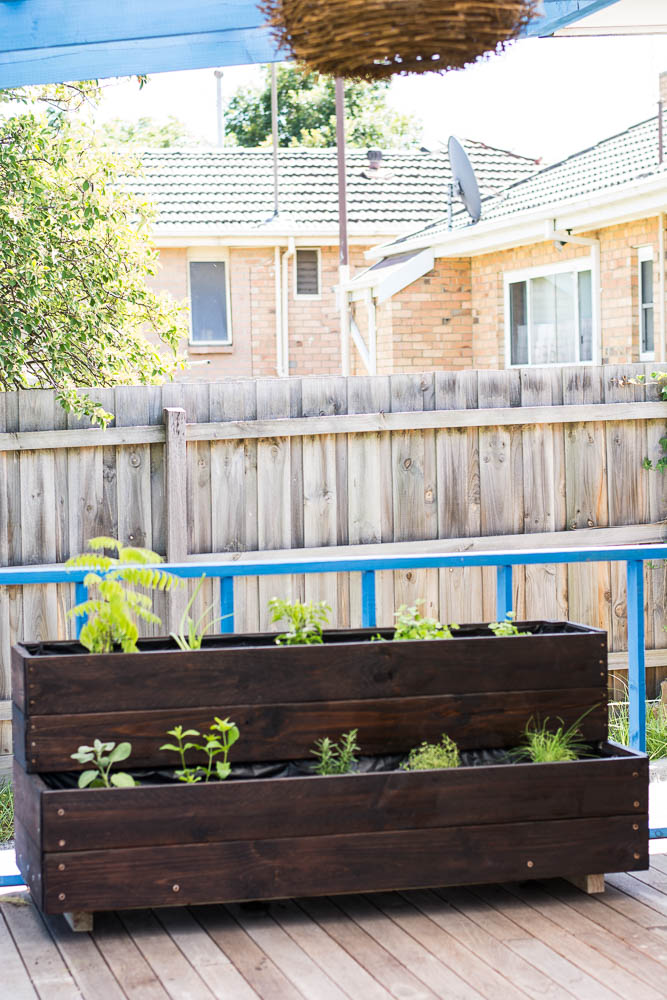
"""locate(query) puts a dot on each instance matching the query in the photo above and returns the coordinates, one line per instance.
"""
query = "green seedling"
(431, 756)
(113, 613)
(305, 621)
(6, 812)
(217, 743)
(336, 757)
(411, 625)
(544, 745)
(190, 632)
(103, 756)
(507, 627)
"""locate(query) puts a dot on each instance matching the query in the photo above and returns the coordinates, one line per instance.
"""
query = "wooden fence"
(432, 462)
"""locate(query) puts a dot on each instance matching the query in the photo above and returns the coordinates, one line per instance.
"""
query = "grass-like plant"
(305, 621)
(336, 757)
(103, 756)
(545, 745)
(113, 613)
(190, 631)
(217, 743)
(656, 726)
(410, 624)
(6, 812)
(507, 627)
(430, 756)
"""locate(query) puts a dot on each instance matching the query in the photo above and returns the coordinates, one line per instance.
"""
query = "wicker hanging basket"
(372, 39)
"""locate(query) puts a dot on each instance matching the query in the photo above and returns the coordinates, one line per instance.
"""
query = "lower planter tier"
(161, 845)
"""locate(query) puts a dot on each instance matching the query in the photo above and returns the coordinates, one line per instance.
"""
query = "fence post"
(176, 506)
(368, 613)
(80, 595)
(504, 596)
(636, 654)
(227, 603)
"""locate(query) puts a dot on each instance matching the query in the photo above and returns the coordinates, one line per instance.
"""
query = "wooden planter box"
(95, 849)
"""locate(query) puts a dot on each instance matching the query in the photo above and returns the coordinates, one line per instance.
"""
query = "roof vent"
(374, 158)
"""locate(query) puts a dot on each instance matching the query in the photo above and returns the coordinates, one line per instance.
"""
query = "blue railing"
(633, 556)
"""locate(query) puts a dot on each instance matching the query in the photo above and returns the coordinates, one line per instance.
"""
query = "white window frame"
(309, 298)
(644, 254)
(210, 255)
(576, 264)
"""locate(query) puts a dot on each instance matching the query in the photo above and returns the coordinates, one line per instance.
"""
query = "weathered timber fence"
(419, 463)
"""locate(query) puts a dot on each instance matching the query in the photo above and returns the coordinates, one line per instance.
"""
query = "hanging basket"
(372, 39)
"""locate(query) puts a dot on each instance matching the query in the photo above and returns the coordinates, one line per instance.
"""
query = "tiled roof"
(609, 165)
(230, 191)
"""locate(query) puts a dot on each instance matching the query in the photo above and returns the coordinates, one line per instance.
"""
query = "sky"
(543, 97)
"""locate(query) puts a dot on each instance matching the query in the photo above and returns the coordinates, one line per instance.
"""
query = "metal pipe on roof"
(277, 264)
(274, 135)
(343, 251)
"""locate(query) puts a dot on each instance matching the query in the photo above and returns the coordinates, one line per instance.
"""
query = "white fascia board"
(625, 17)
(633, 201)
(166, 240)
(384, 287)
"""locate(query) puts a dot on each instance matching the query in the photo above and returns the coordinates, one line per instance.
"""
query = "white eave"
(637, 200)
(390, 275)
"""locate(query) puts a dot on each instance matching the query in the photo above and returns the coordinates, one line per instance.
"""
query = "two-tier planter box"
(266, 838)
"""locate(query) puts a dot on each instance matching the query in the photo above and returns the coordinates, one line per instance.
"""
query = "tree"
(74, 258)
(147, 133)
(307, 113)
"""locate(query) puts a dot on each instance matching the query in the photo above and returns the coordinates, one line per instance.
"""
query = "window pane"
(648, 343)
(518, 323)
(208, 301)
(553, 325)
(647, 282)
(307, 275)
(585, 316)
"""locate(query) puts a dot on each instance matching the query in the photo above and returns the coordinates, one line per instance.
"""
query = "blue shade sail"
(557, 14)
(51, 41)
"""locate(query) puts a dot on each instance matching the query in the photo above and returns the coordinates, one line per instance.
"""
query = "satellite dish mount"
(464, 183)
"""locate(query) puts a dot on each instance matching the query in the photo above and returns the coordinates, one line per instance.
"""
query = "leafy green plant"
(507, 627)
(217, 743)
(190, 632)
(543, 745)
(336, 757)
(112, 614)
(656, 726)
(430, 756)
(305, 621)
(410, 624)
(6, 812)
(103, 756)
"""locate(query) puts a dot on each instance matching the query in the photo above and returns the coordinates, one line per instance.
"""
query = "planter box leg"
(588, 883)
(80, 921)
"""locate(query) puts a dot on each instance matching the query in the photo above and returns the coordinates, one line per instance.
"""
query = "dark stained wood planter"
(95, 849)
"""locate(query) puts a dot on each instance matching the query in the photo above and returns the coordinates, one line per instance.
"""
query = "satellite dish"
(464, 184)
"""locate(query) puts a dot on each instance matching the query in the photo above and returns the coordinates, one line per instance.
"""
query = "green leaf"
(122, 780)
(122, 752)
(86, 777)
(223, 770)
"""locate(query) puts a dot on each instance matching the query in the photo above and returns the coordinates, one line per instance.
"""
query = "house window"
(550, 315)
(646, 336)
(307, 281)
(209, 303)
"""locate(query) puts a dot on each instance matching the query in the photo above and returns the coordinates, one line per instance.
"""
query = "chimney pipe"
(374, 158)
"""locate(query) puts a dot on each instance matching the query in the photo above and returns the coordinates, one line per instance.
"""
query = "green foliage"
(661, 379)
(147, 133)
(430, 756)
(217, 743)
(307, 113)
(103, 756)
(305, 621)
(112, 615)
(507, 627)
(411, 625)
(75, 253)
(190, 632)
(656, 726)
(6, 812)
(543, 745)
(336, 757)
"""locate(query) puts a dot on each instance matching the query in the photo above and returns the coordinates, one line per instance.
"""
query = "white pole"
(218, 73)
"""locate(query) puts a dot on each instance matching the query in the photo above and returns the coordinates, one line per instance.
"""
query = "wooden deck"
(534, 940)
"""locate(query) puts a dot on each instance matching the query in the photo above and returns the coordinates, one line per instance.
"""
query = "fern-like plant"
(116, 606)
(305, 621)
(410, 624)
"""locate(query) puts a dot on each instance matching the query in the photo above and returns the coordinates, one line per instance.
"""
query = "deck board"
(529, 941)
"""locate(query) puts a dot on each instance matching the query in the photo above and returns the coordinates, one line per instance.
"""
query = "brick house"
(262, 287)
(565, 266)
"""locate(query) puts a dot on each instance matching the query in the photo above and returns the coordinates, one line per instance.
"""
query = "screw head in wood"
(635, 774)
(175, 888)
(62, 896)
(61, 812)
(635, 826)
(530, 864)
(636, 856)
(61, 867)
(61, 843)
(636, 804)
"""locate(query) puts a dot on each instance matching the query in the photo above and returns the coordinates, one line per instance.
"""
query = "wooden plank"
(457, 459)
(175, 505)
(46, 968)
(656, 487)
(14, 973)
(590, 884)
(126, 962)
(199, 499)
(170, 966)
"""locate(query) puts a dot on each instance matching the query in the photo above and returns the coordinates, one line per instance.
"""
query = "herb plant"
(305, 621)
(656, 726)
(543, 745)
(430, 756)
(6, 812)
(217, 743)
(411, 625)
(112, 614)
(103, 756)
(190, 632)
(336, 757)
(507, 627)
